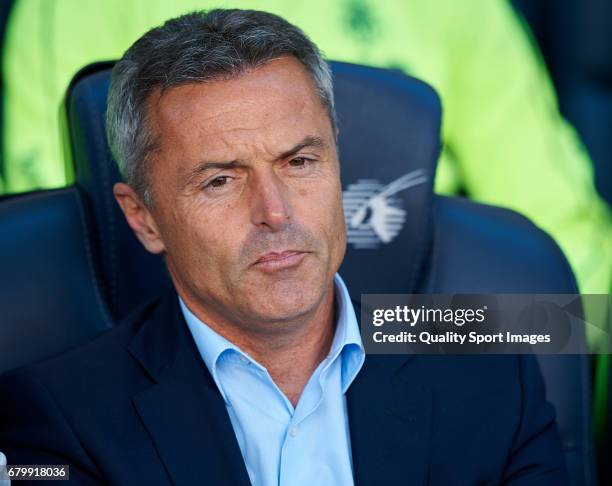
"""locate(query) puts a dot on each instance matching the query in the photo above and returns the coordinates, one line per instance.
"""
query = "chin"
(285, 301)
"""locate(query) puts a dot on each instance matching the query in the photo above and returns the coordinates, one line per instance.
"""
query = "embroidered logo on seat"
(373, 212)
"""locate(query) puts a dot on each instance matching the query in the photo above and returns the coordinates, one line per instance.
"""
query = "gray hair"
(195, 48)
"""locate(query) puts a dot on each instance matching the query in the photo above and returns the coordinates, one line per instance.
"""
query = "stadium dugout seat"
(72, 268)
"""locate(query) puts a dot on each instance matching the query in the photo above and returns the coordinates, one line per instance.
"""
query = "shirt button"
(294, 431)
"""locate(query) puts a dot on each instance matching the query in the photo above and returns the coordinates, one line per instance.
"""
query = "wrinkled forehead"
(277, 95)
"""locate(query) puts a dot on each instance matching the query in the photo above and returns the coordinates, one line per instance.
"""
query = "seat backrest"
(48, 298)
(389, 141)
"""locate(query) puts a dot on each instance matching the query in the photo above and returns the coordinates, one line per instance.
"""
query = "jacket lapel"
(390, 423)
(183, 410)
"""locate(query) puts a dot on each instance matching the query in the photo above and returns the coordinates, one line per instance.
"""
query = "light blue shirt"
(280, 445)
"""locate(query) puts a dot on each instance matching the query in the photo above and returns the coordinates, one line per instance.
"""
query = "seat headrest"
(128, 274)
(389, 142)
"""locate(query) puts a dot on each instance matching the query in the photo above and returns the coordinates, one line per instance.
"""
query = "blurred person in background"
(505, 142)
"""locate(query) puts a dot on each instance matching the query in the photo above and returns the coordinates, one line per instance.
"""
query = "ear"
(139, 218)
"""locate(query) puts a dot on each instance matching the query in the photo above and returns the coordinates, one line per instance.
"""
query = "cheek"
(202, 243)
(216, 242)
(340, 224)
(322, 207)
(338, 228)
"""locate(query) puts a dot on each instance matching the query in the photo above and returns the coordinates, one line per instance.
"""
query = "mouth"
(275, 261)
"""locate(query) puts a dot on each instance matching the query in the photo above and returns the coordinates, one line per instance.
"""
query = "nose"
(270, 206)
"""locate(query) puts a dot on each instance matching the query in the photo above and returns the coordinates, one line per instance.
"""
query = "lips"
(274, 256)
(273, 261)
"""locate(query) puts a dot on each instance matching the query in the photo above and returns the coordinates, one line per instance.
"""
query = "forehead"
(271, 102)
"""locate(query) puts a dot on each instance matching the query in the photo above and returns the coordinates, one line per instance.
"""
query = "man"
(253, 369)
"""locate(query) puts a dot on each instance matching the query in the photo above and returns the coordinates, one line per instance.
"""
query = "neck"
(290, 352)
(292, 363)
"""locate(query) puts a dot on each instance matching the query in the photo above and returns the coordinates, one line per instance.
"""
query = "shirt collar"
(346, 341)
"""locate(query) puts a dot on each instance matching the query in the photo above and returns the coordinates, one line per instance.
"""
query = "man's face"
(247, 195)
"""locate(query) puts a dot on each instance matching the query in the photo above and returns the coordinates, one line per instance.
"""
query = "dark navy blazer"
(138, 406)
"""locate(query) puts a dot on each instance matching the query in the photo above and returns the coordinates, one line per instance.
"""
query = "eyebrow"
(309, 141)
(312, 142)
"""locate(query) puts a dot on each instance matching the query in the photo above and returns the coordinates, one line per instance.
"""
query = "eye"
(300, 162)
(217, 182)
